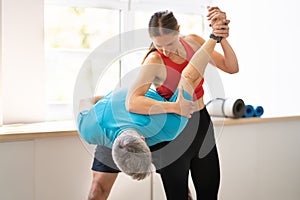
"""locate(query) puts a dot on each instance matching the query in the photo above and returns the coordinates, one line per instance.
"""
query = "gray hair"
(132, 155)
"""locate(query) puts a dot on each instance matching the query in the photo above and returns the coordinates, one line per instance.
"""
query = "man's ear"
(179, 28)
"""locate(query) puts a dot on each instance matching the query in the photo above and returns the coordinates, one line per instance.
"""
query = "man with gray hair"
(132, 155)
(106, 120)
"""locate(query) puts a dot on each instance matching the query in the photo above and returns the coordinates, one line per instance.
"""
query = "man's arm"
(193, 72)
(87, 104)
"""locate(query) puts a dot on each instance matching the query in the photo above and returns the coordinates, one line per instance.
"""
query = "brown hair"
(162, 22)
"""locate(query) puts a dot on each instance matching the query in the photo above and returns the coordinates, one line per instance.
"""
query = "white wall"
(56, 168)
(22, 61)
(264, 36)
(17, 170)
(258, 161)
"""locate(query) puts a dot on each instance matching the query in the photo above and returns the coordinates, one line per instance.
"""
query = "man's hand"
(86, 104)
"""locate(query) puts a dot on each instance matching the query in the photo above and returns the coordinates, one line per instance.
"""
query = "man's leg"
(105, 173)
(101, 185)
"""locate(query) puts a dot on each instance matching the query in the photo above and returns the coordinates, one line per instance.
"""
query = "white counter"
(259, 160)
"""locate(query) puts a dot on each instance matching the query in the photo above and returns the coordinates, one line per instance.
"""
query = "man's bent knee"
(101, 185)
(98, 192)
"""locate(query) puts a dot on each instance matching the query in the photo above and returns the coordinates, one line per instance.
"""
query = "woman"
(104, 170)
(173, 52)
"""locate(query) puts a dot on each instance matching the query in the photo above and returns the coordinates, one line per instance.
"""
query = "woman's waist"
(199, 104)
(167, 91)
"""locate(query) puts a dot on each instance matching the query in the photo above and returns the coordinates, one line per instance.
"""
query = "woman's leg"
(205, 168)
(175, 179)
(175, 175)
(206, 175)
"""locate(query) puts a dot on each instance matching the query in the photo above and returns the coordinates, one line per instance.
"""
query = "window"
(189, 23)
(71, 34)
(72, 30)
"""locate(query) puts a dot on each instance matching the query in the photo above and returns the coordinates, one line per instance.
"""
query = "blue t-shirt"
(109, 117)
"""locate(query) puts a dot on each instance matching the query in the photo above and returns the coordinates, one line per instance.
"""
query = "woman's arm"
(191, 76)
(227, 62)
(153, 71)
(219, 24)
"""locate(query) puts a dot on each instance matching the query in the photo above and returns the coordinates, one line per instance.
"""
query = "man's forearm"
(196, 67)
(86, 104)
(97, 98)
(201, 57)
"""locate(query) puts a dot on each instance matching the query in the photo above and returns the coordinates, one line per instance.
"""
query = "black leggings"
(200, 157)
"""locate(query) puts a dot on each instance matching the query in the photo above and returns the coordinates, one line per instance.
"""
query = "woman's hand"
(219, 23)
(215, 14)
(221, 29)
(184, 107)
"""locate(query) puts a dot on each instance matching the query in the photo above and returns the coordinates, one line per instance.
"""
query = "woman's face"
(166, 44)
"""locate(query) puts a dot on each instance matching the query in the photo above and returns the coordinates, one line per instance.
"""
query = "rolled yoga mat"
(258, 111)
(229, 107)
(250, 111)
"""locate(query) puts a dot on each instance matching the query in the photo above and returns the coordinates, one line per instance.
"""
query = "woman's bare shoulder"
(194, 40)
(154, 66)
(153, 58)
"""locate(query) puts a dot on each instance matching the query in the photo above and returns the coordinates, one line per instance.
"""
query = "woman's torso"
(171, 73)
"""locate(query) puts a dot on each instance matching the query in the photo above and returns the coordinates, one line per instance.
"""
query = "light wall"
(264, 36)
(56, 168)
(22, 61)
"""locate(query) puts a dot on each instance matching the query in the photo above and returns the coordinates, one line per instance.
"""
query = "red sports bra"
(174, 70)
